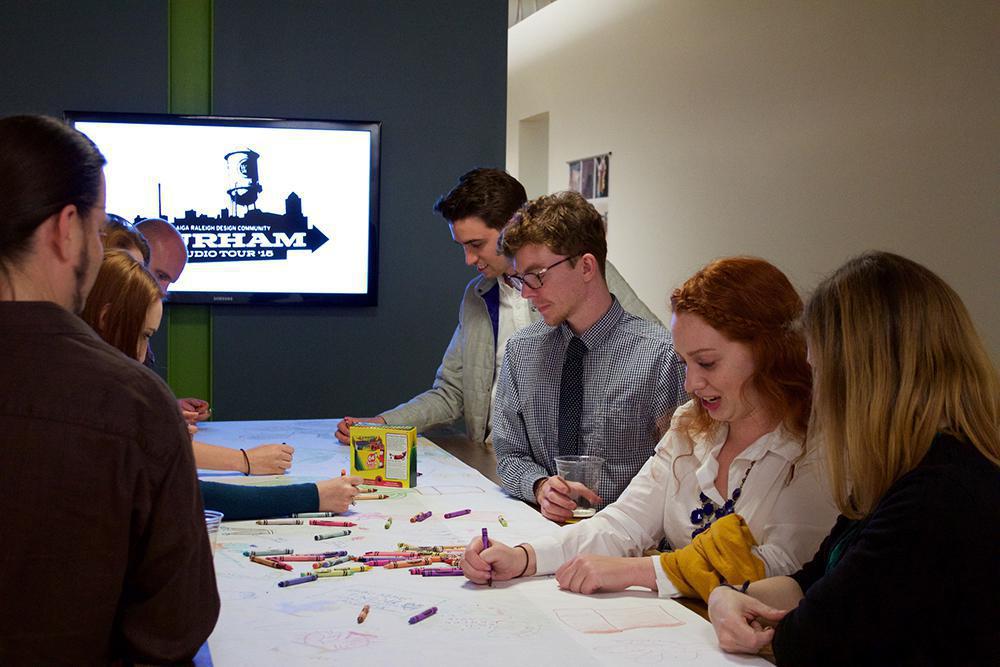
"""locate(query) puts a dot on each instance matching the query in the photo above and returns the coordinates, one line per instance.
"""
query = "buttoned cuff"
(664, 587)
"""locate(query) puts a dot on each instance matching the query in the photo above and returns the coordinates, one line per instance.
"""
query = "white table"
(527, 621)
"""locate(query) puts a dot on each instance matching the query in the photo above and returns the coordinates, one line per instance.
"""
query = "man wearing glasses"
(591, 379)
(490, 312)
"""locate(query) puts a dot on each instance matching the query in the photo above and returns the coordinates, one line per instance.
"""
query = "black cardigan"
(919, 585)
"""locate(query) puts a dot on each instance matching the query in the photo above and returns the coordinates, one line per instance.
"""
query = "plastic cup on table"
(213, 520)
(587, 471)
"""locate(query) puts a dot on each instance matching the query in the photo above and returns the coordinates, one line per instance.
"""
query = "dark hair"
(564, 222)
(751, 301)
(122, 235)
(490, 194)
(45, 165)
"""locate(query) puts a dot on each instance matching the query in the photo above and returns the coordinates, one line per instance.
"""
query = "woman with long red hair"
(730, 492)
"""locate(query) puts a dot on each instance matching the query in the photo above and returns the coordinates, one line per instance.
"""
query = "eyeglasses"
(533, 279)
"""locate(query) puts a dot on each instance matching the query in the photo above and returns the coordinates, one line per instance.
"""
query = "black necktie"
(571, 398)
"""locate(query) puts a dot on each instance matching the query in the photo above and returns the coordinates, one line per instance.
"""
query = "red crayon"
(339, 524)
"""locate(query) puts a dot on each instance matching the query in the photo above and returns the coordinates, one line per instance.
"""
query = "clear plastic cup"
(213, 520)
(587, 471)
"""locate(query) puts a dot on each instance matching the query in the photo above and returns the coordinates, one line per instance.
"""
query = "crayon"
(333, 573)
(486, 545)
(298, 580)
(503, 521)
(364, 614)
(417, 570)
(311, 557)
(331, 563)
(405, 563)
(327, 536)
(268, 552)
(338, 524)
(371, 496)
(443, 572)
(452, 515)
(358, 568)
(388, 522)
(313, 515)
(422, 615)
(422, 516)
(278, 565)
(408, 554)
(280, 522)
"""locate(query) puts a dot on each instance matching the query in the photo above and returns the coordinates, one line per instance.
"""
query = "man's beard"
(81, 288)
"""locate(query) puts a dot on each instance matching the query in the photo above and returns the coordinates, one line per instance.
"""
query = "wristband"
(247, 459)
(527, 559)
(741, 589)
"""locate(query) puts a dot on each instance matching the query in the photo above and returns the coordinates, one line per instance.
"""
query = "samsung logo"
(222, 298)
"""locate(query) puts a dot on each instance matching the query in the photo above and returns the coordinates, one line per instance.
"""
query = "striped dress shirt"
(632, 381)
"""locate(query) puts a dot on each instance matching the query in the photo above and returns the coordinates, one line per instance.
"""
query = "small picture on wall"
(591, 176)
(601, 182)
(587, 179)
(574, 175)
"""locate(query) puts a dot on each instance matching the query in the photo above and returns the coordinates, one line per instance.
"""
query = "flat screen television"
(272, 210)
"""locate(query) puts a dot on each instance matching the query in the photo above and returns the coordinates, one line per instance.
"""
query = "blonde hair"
(896, 360)
(117, 304)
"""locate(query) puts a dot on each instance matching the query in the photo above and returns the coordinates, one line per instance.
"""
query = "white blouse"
(788, 514)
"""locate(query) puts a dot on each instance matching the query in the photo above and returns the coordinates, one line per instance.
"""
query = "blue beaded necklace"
(704, 515)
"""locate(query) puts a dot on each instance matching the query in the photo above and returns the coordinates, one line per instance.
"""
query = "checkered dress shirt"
(632, 381)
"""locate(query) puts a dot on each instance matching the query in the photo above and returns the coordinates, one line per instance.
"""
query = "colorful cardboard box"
(384, 455)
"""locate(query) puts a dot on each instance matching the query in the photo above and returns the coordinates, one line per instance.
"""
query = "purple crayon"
(427, 613)
(423, 516)
(443, 572)
(452, 515)
(486, 545)
(299, 580)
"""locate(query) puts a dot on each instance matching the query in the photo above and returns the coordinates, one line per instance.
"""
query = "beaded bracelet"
(527, 559)
(247, 459)
(741, 589)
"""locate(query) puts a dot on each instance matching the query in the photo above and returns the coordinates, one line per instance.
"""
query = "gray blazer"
(463, 381)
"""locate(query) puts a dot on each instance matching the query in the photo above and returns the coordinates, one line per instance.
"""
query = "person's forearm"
(777, 592)
(214, 457)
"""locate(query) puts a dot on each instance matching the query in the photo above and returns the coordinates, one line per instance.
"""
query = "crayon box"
(384, 455)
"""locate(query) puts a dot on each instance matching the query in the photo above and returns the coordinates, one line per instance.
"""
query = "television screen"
(271, 210)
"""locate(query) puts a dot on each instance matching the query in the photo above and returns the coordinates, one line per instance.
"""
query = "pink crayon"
(338, 524)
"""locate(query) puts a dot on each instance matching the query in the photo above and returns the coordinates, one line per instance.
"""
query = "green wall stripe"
(189, 60)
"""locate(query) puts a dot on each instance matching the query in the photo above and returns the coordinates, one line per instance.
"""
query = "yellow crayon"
(332, 573)
(503, 521)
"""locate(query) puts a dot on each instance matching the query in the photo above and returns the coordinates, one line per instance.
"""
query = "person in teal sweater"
(124, 308)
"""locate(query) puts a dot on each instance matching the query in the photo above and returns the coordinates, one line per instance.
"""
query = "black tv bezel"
(374, 128)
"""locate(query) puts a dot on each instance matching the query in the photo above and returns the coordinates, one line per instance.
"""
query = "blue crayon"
(269, 552)
(299, 580)
(422, 615)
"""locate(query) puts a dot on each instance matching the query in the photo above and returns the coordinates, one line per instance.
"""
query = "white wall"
(801, 132)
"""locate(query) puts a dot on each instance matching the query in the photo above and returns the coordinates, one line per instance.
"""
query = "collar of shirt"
(777, 442)
(598, 332)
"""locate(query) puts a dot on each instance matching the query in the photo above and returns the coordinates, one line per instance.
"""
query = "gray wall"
(433, 73)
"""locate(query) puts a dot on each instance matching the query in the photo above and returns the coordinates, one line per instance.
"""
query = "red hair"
(751, 301)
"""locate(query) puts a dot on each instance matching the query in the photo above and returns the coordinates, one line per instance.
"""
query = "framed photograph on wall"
(591, 177)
